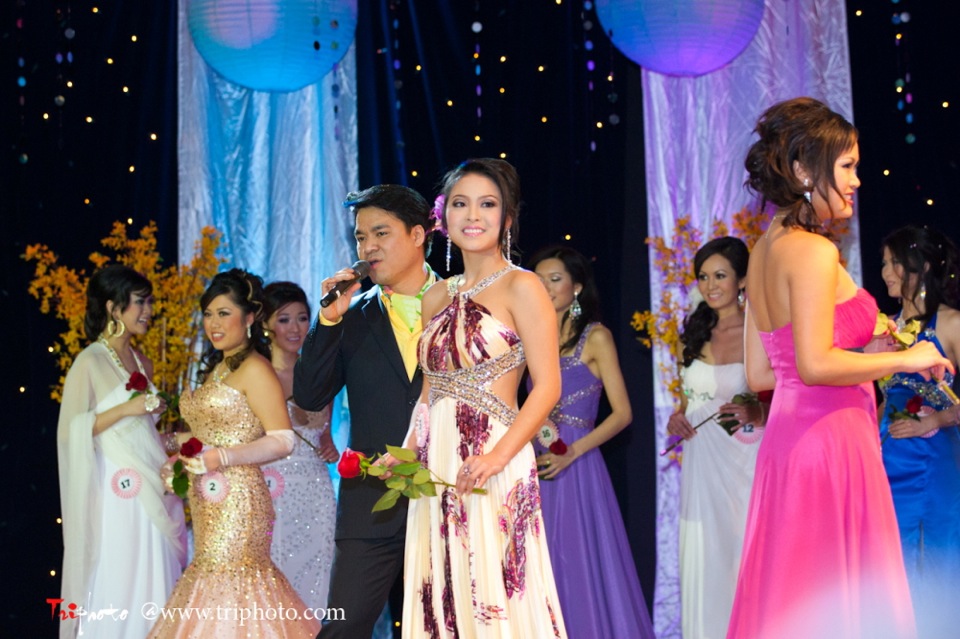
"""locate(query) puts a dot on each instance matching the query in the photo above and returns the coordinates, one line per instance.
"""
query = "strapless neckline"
(858, 295)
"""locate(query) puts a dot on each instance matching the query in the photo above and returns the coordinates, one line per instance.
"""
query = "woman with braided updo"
(240, 416)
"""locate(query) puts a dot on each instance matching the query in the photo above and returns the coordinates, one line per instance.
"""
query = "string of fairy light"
(588, 21)
(600, 84)
(906, 102)
(47, 88)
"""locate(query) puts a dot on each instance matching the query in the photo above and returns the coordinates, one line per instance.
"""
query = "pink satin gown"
(821, 556)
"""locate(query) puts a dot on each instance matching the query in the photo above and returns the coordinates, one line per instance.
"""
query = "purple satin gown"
(592, 563)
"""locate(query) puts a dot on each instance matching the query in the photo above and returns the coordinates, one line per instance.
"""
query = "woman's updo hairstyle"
(501, 173)
(699, 325)
(277, 295)
(805, 131)
(246, 291)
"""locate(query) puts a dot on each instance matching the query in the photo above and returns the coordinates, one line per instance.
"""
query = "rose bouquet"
(410, 478)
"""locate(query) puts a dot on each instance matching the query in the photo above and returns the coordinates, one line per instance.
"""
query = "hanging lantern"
(272, 45)
(681, 37)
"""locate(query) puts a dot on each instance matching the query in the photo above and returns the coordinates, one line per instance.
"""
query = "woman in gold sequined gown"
(476, 565)
(232, 588)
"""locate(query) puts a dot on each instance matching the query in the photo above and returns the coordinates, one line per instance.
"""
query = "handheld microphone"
(362, 269)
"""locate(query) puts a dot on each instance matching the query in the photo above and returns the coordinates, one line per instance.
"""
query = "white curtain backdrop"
(696, 133)
(268, 170)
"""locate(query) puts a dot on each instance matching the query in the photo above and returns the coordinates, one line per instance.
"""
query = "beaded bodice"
(900, 387)
(464, 349)
(219, 415)
(581, 389)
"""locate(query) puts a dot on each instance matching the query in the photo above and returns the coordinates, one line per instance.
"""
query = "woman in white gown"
(300, 485)
(123, 536)
(717, 471)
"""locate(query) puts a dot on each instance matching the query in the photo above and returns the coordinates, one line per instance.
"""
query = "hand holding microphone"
(342, 282)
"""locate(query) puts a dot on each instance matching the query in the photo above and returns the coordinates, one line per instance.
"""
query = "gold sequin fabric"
(231, 588)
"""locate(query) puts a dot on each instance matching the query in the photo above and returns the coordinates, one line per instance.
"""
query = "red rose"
(765, 397)
(191, 447)
(349, 465)
(558, 447)
(138, 382)
(914, 404)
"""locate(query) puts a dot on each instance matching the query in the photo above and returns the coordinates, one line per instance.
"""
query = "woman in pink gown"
(821, 555)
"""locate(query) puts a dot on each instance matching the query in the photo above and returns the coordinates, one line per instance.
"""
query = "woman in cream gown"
(124, 538)
(717, 471)
(477, 565)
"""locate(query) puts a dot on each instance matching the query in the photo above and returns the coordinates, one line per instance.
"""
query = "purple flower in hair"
(437, 213)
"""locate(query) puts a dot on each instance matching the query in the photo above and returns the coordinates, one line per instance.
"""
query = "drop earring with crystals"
(807, 191)
(449, 242)
(506, 252)
(575, 310)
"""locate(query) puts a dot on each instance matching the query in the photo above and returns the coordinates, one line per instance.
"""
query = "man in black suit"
(369, 346)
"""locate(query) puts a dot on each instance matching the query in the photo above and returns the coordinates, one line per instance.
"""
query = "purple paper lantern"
(272, 45)
(681, 37)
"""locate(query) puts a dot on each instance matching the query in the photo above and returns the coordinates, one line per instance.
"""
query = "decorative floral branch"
(172, 342)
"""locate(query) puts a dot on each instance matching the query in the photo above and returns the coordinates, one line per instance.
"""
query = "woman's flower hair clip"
(437, 213)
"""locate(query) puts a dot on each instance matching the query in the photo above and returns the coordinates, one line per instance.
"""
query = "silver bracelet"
(224, 461)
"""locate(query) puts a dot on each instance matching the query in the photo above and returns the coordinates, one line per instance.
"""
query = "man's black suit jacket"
(361, 353)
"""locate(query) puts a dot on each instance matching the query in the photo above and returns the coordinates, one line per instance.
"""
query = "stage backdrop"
(696, 134)
(269, 170)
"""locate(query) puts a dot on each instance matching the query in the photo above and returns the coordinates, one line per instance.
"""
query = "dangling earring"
(506, 252)
(249, 332)
(923, 291)
(807, 191)
(449, 243)
(575, 310)
(741, 298)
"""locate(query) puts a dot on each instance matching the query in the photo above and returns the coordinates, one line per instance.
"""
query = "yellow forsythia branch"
(172, 340)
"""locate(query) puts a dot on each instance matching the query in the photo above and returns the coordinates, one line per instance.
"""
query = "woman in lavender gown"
(595, 573)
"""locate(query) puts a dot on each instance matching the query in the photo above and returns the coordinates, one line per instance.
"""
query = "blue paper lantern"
(681, 37)
(272, 45)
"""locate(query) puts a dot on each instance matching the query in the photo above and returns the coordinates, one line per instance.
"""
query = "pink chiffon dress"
(821, 555)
